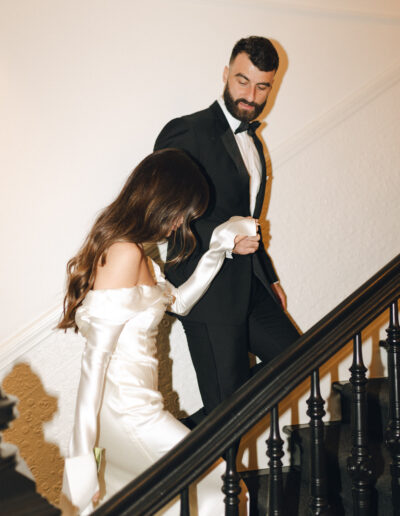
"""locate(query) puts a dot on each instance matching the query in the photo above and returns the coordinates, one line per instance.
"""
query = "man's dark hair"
(261, 52)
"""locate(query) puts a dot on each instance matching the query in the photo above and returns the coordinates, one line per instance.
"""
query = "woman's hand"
(247, 244)
(96, 497)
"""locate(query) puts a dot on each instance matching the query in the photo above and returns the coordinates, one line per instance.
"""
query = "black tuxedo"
(207, 137)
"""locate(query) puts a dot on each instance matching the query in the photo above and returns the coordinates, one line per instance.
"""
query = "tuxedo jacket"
(207, 137)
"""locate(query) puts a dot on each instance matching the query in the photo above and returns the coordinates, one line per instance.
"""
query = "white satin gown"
(119, 407)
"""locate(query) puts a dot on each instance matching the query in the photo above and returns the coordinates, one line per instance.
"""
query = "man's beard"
(232, 106)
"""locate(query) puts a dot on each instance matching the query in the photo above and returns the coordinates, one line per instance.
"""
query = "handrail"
(166, 478)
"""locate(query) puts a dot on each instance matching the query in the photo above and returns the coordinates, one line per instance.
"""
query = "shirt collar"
(232, 121)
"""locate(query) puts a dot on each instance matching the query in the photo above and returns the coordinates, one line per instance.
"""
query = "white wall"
(85, 87)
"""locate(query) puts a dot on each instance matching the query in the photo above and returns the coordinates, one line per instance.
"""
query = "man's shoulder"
(189, 132)
(204, 117)
(204, 114)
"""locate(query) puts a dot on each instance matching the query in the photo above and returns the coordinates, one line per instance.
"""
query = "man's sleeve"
(179, 135)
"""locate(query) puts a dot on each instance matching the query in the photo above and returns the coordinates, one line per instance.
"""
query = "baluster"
(275, 453)
(359, 464)
(185, 511)
(7, 414)
(392, 434)
(318, 503)
(231, 487)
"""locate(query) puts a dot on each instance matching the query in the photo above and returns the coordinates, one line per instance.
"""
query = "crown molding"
(353, 9)
(334, 116)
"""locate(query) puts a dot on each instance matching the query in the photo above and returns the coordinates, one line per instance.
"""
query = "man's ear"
(225, 74)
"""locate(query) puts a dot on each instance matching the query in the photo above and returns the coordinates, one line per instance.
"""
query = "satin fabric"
(118, 383)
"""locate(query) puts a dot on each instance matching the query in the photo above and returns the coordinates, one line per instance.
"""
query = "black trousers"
(220, 351)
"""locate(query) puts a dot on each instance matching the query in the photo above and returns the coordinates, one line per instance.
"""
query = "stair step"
(295, 494)
(18, 496)
(378, 404)
(338, 448)
(28, 505)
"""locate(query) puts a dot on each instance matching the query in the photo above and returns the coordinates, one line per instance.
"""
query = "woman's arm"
(101, 323)
(80, 471)
(222, 240)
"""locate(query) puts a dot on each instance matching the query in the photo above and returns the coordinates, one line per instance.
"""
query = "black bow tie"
(250, 127)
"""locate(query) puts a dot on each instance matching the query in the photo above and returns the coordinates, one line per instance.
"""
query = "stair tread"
(18, 496)
(338, 449)
(28, 505)
(377, 394)
(293, 491)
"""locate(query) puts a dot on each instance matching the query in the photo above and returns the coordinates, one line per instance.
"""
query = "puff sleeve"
(80, 471)
(222, 240)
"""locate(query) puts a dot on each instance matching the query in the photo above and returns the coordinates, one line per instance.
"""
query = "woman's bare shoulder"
(125, 250)
(122, 266)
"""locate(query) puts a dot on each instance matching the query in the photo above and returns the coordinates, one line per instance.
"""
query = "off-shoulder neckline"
(158, 277)
(139, 285)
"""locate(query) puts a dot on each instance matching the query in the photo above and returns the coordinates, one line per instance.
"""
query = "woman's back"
(125, 266)
(134, 428)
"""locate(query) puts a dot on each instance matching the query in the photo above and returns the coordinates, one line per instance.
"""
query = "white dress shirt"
(249, 154)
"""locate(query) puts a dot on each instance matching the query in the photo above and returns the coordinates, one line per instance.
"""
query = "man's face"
(246, 88)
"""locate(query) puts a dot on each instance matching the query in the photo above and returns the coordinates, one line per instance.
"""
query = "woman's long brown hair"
(165, 186)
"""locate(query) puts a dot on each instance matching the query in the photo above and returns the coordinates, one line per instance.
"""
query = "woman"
(116, 299)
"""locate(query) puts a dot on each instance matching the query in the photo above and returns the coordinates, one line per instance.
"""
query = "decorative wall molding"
(29, 337)
(39, 330)
(334, 116)
(353, 9)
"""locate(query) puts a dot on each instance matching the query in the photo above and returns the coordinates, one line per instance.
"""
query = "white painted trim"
(40, 329)
(29, 337)
(35, 333)
(335, 116)
(360, 11)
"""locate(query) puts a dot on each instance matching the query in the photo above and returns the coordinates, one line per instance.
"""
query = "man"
(243, 310)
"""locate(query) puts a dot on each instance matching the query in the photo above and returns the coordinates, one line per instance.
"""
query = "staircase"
(337, 445)
(18, 496)
(346, 467)
(337, 468)
(378, 410)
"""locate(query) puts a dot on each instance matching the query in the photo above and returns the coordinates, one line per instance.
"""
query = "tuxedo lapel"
(234, 152)
(224, 131)
(229, 141)
(261, 191)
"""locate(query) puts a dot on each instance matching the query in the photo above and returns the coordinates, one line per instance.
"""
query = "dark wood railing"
(222, 429)
(18, 494)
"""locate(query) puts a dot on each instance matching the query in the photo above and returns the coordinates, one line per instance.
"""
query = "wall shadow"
(165, 384)
(283, 66)
(163, 349)
(35, 407)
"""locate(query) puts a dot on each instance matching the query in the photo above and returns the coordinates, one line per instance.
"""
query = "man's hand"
(280, 294)
(246, 244)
